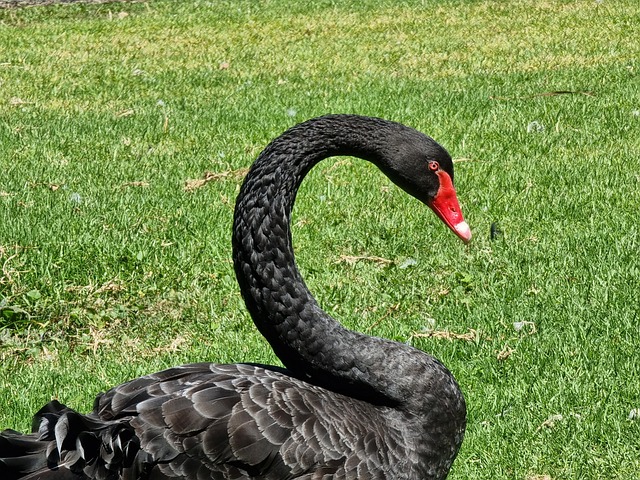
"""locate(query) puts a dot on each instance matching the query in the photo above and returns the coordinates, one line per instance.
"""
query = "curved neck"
(307, 340)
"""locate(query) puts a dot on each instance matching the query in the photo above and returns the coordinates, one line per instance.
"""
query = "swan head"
(424, 169)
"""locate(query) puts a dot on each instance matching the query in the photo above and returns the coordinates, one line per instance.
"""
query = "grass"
(110, 269)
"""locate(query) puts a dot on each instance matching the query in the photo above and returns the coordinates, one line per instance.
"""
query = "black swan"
(346, 405)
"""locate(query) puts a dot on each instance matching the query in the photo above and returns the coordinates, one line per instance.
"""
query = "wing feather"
(206, 421)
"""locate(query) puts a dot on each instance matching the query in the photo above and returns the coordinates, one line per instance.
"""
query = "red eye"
(434, 166)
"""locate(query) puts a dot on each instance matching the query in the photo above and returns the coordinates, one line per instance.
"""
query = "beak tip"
(463, 231)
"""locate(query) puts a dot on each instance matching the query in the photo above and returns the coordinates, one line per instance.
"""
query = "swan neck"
(308, 341)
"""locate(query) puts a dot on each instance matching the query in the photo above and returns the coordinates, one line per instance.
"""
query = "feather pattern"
(346, 405)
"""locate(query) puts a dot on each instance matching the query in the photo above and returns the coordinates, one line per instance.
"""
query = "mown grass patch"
(112, 268)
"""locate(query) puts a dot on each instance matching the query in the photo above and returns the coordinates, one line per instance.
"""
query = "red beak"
(446, 207)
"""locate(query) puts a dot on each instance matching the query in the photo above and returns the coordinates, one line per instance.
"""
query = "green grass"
(110, 269)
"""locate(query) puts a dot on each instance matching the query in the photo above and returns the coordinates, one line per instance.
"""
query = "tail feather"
(66, 445)
(21, 455)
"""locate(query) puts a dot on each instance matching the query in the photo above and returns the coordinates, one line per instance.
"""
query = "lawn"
(126, 128)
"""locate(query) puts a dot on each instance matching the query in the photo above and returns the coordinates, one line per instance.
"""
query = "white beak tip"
(463, 231)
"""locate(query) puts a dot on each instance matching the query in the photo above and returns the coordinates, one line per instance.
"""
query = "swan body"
(345, 405)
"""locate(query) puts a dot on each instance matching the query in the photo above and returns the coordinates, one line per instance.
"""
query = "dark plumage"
(346, 405)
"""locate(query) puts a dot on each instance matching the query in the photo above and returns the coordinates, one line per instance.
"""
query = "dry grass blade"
(173, 347)
(390, 310)
(6, 272)
(194, 184)
(17, 102)
(125, 113)
(505, 353)
(551, 421)
(9, 274)
(134, 184)
(471, 336)
(42, 3)
(353, 259)
(554, 93)
(110, 286)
